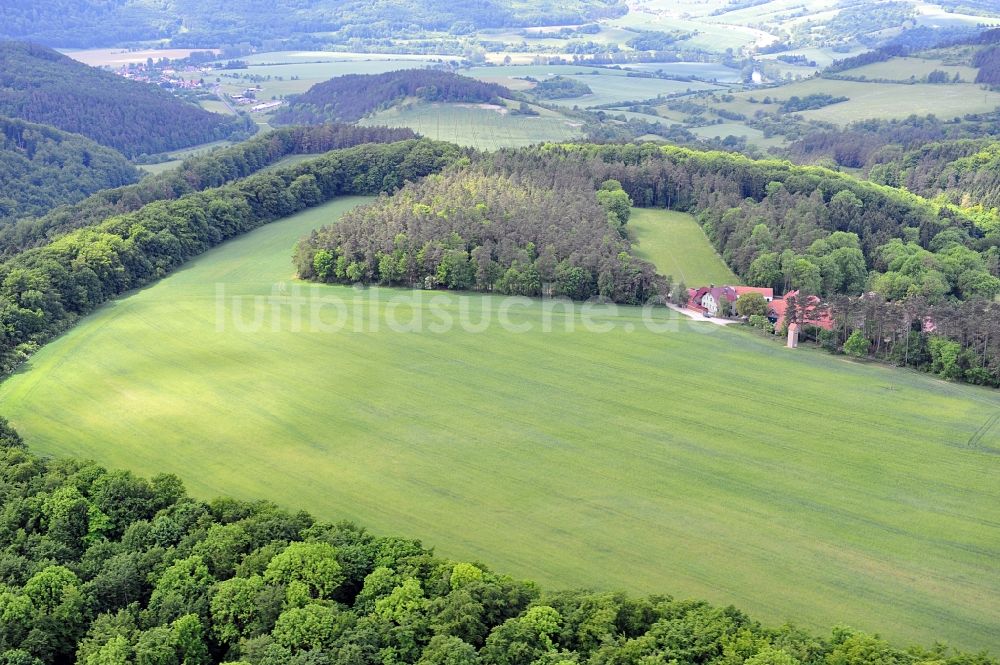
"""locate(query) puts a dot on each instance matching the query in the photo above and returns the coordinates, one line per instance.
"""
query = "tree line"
(40, 85)
(196, 173)
(527, 233)
(816, 231)
(42, 167)
(353, 96)
(103, 567)
(46, 289)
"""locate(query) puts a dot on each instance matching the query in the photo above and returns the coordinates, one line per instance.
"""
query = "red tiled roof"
(768, 293)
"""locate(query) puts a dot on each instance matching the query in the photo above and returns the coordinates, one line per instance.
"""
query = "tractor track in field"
(975, 441)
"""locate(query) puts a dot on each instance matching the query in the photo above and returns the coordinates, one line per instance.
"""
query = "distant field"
(701, 462)
(901, 69)
(478, 127)
(703, 70)
(178, 156)
(299, 71)
(874, 100)
(753, 135)
(614, 89)
(116, 57)
(216, 106)
(677, 246)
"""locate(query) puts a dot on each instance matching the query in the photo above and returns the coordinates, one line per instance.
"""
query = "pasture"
(677, 246)
(478, 127)
(697, 461)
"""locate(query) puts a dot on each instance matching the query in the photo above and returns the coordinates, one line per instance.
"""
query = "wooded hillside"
(209, 23)
(40, 85)
(352, 97)
(42, 167)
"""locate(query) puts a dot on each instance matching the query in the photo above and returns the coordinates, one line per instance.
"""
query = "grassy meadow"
(677, 246)
(697, 461)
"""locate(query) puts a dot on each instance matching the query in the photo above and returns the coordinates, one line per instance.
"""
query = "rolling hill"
(40, 85)
(352, 97)
(42, 167)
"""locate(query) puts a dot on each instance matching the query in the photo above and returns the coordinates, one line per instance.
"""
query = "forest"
(190, 23)
(790, 228)
(40, 85)
(352, 97)
(46, 289)
(213, 169)
(42, 167)
(523, 234)
(103, 567)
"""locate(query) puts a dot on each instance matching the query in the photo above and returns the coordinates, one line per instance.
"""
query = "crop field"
(691, 460)
(116, 57)
(753, 135)
(281, 73)
(873, 100)
(677, 246)
(901, 69)
(704, 70)
(484, 128)
(178, 156)
(615, 89)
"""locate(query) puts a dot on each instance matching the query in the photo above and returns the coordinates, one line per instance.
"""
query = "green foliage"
(856, 345)
(41, 167)
(475, 213)
(560, 87)
(47, 288)
(40, 85)
(751, 304)
(352, 97)
(76, 23)
(196, 174)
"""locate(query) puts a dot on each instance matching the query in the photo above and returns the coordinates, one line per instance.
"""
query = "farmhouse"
(707, 298)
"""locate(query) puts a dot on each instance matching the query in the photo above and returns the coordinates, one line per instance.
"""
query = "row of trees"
(959, 341)
(44, 290)
(197, 173)
(42, 167)
(40, 85)
(101, 567)
(352, 97)
(527, 234)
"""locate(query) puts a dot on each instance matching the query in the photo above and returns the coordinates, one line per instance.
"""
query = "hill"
(42, 167)
(79, 23)
(352, 97)
(40, 85)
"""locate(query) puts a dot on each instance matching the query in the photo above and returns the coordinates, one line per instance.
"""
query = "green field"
(609, 86)
(871, 100)
(698, 461)
(677, 246)
(478, 126)
(753, 135)
(901, 69)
